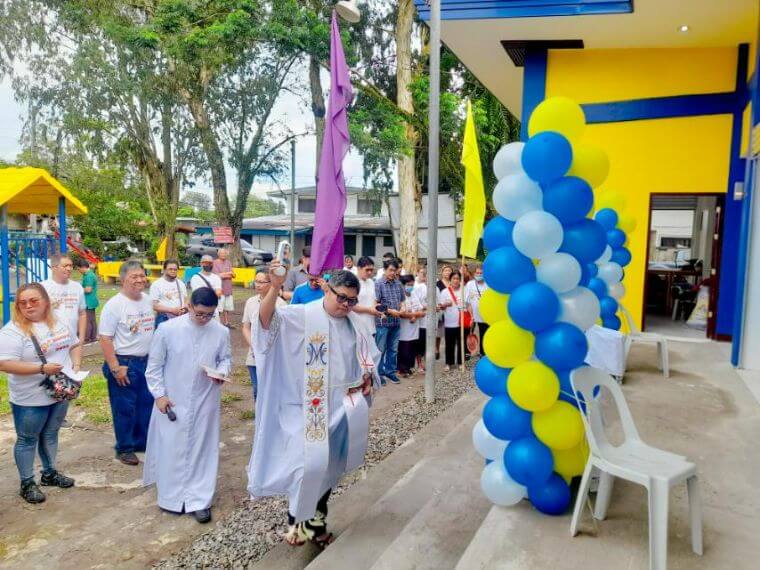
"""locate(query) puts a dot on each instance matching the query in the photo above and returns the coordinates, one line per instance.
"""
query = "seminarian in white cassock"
(182, 454)
(317, 366)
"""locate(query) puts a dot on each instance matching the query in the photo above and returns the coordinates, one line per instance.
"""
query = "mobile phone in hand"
(381, 308)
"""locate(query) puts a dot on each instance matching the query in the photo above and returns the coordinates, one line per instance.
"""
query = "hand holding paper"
(78, 376)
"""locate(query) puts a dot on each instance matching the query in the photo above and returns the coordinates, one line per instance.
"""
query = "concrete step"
(357, 500)
(411, 502)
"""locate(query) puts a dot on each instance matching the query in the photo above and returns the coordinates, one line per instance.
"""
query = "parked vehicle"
(199, 245)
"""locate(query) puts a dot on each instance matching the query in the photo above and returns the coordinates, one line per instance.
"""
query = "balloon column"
(544, 257)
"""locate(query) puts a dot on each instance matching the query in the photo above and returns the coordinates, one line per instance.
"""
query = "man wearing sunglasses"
(316, 366)
(182, 455)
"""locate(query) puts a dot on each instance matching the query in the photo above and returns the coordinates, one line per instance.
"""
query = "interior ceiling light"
(683, 29)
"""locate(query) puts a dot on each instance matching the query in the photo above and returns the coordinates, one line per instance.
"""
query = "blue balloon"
(491, 379)
(551, 497)
(547, 156)
(612, 322)
(533, 306)
(598, 286)
(585, 240)
(497, 233)
(505, 419)
(621, 256)
(607, 217)
(505, 269)
(608, 307)
(562, 346)
(616, 238)
(528, 461)
(593, 269)
(569, 199)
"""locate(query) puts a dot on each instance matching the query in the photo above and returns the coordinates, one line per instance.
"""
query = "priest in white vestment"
(316, 366)
(182, 454)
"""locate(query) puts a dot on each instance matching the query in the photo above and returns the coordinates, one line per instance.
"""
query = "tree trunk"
(317, 106)
(215, 159)
(409, 199)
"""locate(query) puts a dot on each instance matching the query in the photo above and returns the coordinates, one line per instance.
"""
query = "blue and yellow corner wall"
(671, 122)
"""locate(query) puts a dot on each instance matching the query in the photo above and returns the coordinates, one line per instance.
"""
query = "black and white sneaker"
(56, 479)
(31, 492)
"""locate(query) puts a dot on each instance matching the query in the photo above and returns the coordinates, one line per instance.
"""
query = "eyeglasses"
(257, 282)
(33, 302)
(203, 316)
(343, 299)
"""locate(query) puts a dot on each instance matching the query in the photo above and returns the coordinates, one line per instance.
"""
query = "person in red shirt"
(223, 268)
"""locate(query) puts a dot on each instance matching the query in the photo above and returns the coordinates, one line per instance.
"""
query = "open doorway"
(683, 264)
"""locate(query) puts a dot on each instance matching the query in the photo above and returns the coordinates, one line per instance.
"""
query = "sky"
(290, 108)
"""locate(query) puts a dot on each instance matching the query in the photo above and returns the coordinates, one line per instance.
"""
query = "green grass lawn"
(93, 399)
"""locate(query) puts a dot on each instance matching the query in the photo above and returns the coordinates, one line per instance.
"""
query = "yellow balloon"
(493, 306)
(507, 345)
(559, 427)
(590, 163)
(533, 386)
(571, 462)
(610, 199)
(627, 223)
(559, 114)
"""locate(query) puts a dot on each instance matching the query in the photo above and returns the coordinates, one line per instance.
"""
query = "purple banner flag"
(327, 244)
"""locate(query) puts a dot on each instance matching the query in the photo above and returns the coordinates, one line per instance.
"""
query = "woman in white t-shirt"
(451, 301)
(36, 416)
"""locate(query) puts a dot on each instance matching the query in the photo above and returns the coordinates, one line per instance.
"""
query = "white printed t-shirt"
(66, 302)
(367, 299)
(168, 293)
(411, 330)
(473, 291)
(130, 324)
(56, 344)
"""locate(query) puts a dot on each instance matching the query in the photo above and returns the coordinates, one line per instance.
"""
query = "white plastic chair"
(636, 335)
(635, 461)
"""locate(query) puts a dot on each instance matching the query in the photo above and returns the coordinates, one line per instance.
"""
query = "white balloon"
(487, 445)
(537, 234)
(560, 271)
(499, 487)
(508, 160)
(616, 291)
(605, 257)
(516, 195)
(610, 273)
(579, 307)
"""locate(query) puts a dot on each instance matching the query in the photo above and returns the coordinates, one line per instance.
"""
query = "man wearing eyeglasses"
(190, 357)
(316, 366)
(66, 296)
(261, 285)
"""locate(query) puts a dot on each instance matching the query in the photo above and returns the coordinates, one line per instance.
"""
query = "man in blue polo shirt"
(308, 292)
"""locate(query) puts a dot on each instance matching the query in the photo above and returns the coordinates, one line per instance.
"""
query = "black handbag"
(58, 386)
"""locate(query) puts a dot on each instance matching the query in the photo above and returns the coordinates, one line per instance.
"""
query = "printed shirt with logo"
(411, 330)
(130, 324)
(56, 344)
(66, 302)
(473, 291)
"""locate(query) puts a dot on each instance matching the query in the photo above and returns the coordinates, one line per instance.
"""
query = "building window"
(349, 245)
(368, 246)
(368, 206)
(387, 241)
(675, 242)
(307, 205)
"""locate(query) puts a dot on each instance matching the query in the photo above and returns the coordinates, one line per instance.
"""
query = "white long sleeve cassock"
(277, 463)
(182, 457)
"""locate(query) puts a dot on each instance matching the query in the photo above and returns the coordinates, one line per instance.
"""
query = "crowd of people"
(167, 353)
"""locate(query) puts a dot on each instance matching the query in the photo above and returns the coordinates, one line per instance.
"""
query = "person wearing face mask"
(473, 292)
(182, 454)
(207, 278)
(411, 315)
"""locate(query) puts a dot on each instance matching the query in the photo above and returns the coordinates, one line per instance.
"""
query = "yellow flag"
(161, 251)
(474, 195)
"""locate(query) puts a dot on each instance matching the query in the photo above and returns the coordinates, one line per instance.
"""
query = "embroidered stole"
(316, 408)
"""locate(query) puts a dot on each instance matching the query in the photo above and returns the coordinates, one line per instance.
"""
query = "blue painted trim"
(5, 259)
(534, 85)
(661, 108)
(750, 174)
(505, 9)
(62, 224)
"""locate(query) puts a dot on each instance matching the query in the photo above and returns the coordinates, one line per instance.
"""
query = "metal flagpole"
(432, 229)
(292, 199)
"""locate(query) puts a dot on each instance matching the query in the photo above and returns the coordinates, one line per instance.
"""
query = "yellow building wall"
(677, 155)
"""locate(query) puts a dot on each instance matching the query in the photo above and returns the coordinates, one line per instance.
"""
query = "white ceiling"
(653, 24)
